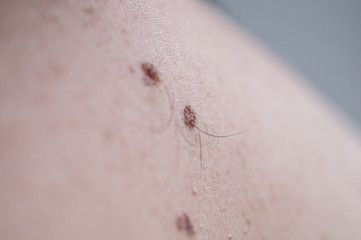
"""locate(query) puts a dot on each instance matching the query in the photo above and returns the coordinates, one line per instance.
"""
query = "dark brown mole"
(183, 222)
(152, 76)
(189, 116)
(188, 225)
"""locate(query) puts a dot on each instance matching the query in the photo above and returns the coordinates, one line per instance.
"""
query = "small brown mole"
(184, 223)
(151, 73)
(189, 116)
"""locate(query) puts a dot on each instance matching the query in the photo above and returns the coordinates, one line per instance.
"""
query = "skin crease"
(85, 151)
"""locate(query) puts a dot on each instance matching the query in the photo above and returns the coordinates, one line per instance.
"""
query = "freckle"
(188, 225)
(117, 102)
(89, 10)
(151, 74)
(248, 222)
(43, 98)
(50, 19)
(81, 95)
(131, 70)
(243, 164)
(299, 212)
(179, 223)
(57, 70)
(262, 205)
(108, 135)
(324, 237)
(73, 124)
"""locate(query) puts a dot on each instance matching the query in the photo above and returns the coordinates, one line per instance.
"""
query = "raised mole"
(189, 116)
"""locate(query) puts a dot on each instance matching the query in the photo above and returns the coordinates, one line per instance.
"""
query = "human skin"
(90, 150)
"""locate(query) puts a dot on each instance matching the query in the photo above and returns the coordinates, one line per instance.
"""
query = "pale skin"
(89, 151)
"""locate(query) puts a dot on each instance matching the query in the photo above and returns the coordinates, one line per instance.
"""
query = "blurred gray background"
(321, 39)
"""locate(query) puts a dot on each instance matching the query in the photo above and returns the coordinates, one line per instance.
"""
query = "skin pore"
(92, 147)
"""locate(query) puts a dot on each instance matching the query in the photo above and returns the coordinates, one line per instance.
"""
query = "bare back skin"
(94, 144)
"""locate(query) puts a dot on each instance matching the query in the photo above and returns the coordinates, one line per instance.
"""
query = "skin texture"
(88, 150)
